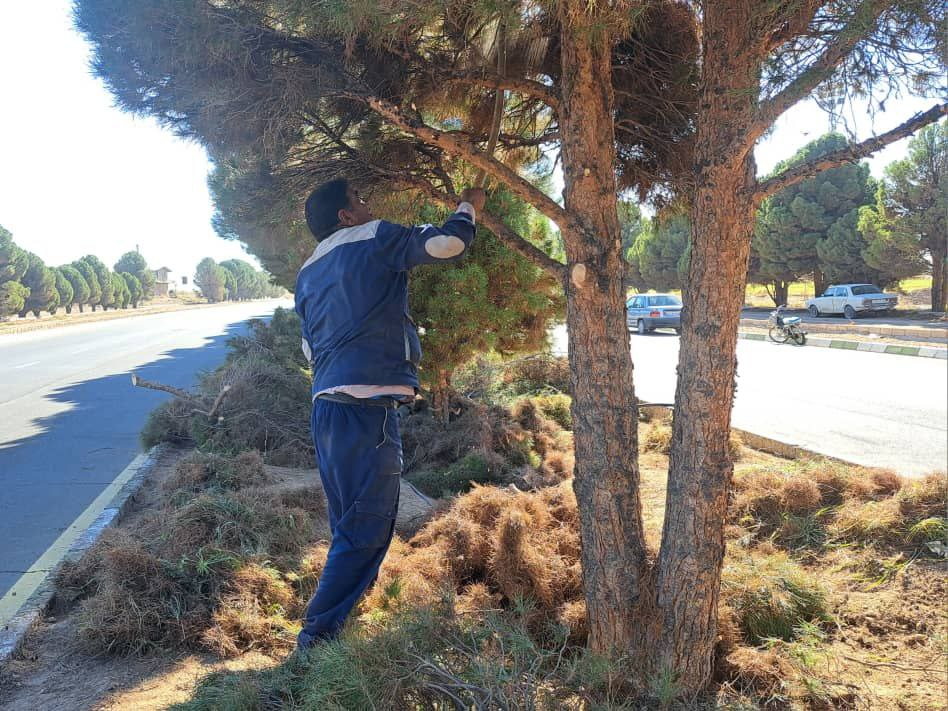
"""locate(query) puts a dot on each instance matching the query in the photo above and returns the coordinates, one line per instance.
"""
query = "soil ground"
(887, 650)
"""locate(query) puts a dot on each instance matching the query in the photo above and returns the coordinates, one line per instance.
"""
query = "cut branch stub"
(186, 396)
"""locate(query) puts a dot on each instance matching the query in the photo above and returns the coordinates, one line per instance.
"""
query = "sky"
(78, 176)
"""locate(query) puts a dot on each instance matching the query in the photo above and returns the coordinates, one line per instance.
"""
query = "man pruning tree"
(352, 298)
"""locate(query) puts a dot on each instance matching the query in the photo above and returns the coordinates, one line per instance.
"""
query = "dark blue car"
(646, 312)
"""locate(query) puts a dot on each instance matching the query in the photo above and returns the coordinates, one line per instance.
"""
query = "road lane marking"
(21, 591)
(25, 365)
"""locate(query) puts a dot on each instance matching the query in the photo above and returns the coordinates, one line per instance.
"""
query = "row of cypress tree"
(28, 285)
(233, 280)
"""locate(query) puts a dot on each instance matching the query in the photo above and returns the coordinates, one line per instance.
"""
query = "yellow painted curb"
(29, 595)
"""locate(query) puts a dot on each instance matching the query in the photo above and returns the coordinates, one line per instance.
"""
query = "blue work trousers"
(359, 454)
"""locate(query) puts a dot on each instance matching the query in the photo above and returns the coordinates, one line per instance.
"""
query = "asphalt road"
(70, 418)
(870, 408)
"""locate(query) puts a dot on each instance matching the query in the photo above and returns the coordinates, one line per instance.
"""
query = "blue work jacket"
(352, 299)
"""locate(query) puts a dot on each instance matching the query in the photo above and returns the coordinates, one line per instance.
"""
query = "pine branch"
(861, 24)
(451, 144)
(850, 154)
(525, 87)
(183, 395)
(513, 240)
(505, 234)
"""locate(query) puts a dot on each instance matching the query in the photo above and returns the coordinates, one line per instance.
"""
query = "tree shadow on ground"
(50, 476)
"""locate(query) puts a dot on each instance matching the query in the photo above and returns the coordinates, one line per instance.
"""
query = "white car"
(850, 300)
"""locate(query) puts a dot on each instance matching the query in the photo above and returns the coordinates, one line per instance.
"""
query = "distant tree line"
(28, 285)
(840, 226)
(233, 280)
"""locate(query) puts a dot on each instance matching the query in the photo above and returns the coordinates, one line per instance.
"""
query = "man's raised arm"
(403, 248)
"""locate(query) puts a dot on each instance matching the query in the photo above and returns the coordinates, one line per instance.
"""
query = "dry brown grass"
(499, 545)
(223, 563)
(252, 614)
(481, 444)
(655, 435)
(538, 374)
(806, 504)
(201, 471)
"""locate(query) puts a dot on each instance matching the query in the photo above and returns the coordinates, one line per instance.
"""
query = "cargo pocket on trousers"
(375, 513)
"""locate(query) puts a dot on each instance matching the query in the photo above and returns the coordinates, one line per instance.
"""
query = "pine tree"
(394, 95)
(134, 287)
(794, 224)
(244, 278)
(80, 288)
(492, 300)
(210, 278)
(230, 285)
(65, 291)
(658, 257)
(41, 281)
(905, 230)
(103, 277)
(121, 294)
(92, 282)
(134, 263)
(13, 265)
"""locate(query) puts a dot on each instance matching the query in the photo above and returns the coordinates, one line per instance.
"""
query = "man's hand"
(475, 196)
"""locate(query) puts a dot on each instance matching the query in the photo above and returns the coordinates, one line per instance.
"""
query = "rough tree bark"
(441, 397)
(688, 575)
(779, 292)
(605, 428)
(939, 279)
(819, 282)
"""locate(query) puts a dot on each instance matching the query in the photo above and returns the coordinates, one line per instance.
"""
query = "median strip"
(863, 346)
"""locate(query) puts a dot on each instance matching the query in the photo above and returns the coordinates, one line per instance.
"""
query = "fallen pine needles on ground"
(827, 565)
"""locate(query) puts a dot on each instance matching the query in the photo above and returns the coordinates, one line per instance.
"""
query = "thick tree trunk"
(939, 279)
(781, 292)
(819, 282)
(688, 576)
(604, 416)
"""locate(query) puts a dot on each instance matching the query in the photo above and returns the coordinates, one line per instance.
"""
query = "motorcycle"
(783, 329)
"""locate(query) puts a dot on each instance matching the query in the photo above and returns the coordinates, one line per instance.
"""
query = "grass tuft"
(772, 597)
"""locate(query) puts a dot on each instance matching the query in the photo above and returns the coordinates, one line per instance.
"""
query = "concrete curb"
(853, 328)
(12, 633)
(862, 346)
